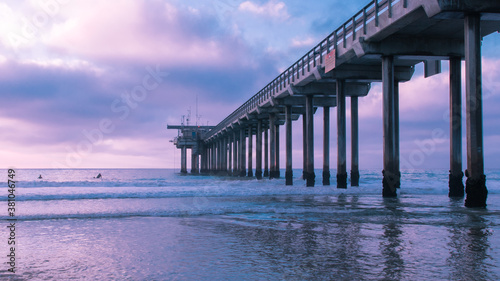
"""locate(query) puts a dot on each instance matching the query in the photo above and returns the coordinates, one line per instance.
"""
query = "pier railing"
(352, 29)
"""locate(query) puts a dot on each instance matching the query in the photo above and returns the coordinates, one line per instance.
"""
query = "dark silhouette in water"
(40, 177)
(98, 176)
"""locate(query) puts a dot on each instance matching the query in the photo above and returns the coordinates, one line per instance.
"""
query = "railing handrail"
(349, 29)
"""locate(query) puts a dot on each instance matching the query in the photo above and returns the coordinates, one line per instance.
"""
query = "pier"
(381, 43)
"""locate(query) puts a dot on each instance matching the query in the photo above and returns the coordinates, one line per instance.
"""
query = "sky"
(93, 84)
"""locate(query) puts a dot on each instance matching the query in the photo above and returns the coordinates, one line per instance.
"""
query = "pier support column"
(258, 152)
(326, 145)
(289, 172)
(205, 158)
(209, 157)
(183, 160)
(214, 157)
(202, 160)
(455, 183)
(354, 142)
(229, 156)
(218, 152)
(277, 151)
(243, 147)
(250, 151)
(235, 155)
(341, 136)
(304, 146)
(310, 176)
(266, 153)
(475, 185)
(224, 155)
(194, 162)
(391, 175)
(272, 133)
(219, 156)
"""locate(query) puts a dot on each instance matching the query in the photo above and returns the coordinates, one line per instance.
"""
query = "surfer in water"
(99, 176)
(40, 177)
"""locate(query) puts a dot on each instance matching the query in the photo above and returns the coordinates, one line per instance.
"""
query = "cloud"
(147, 31)
(304, 42)
(272, 9)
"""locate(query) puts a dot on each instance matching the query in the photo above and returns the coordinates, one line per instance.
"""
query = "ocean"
(155, 224)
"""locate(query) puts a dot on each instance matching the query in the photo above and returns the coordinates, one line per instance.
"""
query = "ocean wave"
(126, 184)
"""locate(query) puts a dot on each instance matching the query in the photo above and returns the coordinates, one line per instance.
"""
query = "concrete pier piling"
(326, 145)
(288, 123)
(277, 151)
(258, 151)
(456, 185)
(229, 155)
(242, 149)
(235, 154)
(475, 185)
(272, 145)
(391, 175)
(354, 142)
(183, 160)
(304, 146)
(266, 153)
(250, 151)
(194, 163)
(224, 153)
(310, 175)
(341, 136)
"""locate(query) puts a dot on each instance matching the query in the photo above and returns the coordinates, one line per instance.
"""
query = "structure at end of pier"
(189, 137)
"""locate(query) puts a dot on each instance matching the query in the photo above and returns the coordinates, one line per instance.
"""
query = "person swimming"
(40, 177)
(99, 176)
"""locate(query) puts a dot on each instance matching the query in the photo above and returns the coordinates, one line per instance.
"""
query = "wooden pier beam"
(475, 185)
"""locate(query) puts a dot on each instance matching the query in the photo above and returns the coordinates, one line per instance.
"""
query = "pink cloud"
(134, 33)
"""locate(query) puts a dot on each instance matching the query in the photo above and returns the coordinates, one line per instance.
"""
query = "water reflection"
(469, 245)
(344, 237)
(306, 244)
(392, 245)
